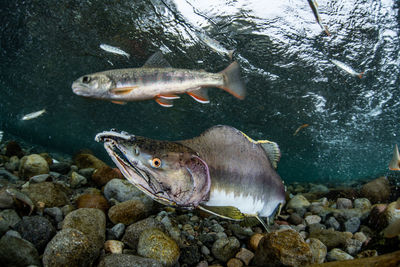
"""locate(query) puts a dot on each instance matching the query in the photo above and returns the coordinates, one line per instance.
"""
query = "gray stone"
(346, 214)
(51, 194)
(318, 250)
(344, 203)
(4, 225)
(352, 225)
(362, 204)
(13, 233)
(10, 216)
(69, 247)
(9, 176)
(12, 164)
(315, 227)
(205, 250)
(87, 172)
(217, 228)
(55, 212)
(133, 231)
(298, 202)
(32, 165)
(118, 230)
(332, 222)
(295, 219)
(37, 230)
(126, 260)
(225, 248)
(338, 255)
(353, 246)
(39, 178)
(60, 167)
(241, 232)
(311, 219)
(15, 251)
(319, 188)
(77, 180)
(121, 190)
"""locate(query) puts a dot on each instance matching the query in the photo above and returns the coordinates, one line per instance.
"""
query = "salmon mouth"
(129, 167)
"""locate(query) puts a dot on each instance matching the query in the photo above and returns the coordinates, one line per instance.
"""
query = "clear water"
(284, 56)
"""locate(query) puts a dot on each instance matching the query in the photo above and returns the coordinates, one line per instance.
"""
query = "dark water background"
(284, 56)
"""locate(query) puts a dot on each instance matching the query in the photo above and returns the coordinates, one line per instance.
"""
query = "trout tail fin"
(232, 81)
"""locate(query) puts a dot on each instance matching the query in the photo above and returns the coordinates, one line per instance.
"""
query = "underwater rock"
(319, 188)
(60, 167)
(285, 247)
(295, 219)
(37, 230)
(40, 178)
(377, 217)
(255, 241)
(55, 213)
(12, 164)
(353, 246)
(118, 230)
(312, 219)
(96, 201)
(6, 200)
(377, 191)
(32, 165)
(331, 238)
(9, 176)
(318, 250)
(103, 175)
(245, 255)
(155, 244)
(85, 160)
(127, 212)
(234, 263)
(344, 203)
(13, 149)
(240, 232)
(338, 255)
(114, 246)
(92, 223)
(16, 251)
(121, 190)
(390, 259)
(13, 233)
(225, 248)
(10, 216)
(352, 225)
(77, 180)
(298, 202)
(392, 212)
(367, 253)
(69, 247)
(332, 222)
(51, 194)
(126, 260)
(360, 236)
(362, 204)
(3, 226)
(133, 231)
(190, 255)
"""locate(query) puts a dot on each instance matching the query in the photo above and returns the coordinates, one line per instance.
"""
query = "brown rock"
(113, 246)
(13, 149)
(377, 191)
(234, 263)
(95, 201)
(86, 160)
(377, 218)
(104, 174)
(127, 212)
(245, 255)
(133, 231)
(51, 194)
(47, 157)
(32, 165)
(255, 240)
(330, 237)
(285, 247)
(391, 259)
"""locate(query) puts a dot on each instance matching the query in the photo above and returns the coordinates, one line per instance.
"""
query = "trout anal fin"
(200, 95)
(166, 103)
(168, 96)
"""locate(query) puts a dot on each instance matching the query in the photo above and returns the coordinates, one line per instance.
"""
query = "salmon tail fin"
(232, 81)
(394, 163)
(360, 75)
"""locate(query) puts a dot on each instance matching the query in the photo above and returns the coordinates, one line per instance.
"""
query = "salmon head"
(168, 172)
(95, 85)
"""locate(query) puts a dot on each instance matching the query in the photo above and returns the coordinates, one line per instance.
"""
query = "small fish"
(394, 164)
(157, 80)
(314, 6)
(347, 68)
(114, 50)
(215, 45)
(33, 115)
(300, 127)
(1, 136)
(222, 171)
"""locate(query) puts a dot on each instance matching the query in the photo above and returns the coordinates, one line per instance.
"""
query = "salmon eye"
(156, 163)
(86, 79)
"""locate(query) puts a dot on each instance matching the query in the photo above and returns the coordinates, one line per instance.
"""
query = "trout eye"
(156, 163)
(86, 79)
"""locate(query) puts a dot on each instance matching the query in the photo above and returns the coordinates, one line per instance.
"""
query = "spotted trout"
(222, 171)
(157, 80)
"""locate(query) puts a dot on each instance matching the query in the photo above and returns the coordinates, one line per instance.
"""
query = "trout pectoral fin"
(118, 102)
(166, 103)
(226, 212)
(122, 90)
(168, 96)
(200, 95)
(394, 164)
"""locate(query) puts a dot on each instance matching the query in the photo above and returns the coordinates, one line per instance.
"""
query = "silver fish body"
(215, 45)
(347, 68)
(33, 115)
(114, 50)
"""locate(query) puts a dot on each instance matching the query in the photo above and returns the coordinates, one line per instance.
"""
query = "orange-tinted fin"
(122, 90)
(326, 31)
(299, 128)
(200, 95)
(395, 162)
(118, 102)
(166, 103)
(232, 81)
(169, 96)
(360, 75)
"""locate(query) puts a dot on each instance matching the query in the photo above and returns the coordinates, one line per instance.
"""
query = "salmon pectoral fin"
(118, 102)
(166, 103)
(226, 212)
(232, 81)
(200, 95)
(168, 96)
(122, 90)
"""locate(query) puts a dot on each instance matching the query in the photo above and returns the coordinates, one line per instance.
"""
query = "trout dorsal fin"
(271, 149)
(157, 60)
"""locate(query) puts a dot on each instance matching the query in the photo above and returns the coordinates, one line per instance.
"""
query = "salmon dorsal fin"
(226, 212)
(157, 60)
(271, 149)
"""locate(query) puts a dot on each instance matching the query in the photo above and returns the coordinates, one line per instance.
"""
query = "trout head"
(168, 172)
(93, 85)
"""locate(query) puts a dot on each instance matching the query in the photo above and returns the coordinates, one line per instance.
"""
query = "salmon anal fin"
(200, 95)
(166, 103)
(122, 90)
(168, 96)
(118, 102)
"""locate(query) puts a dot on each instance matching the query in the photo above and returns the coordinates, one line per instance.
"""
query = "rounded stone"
(94, 201)
(121, 190)
(127, 212)
(298, 202)
(51, 194)
(352, 225)
(69, 247)
(362, 204)
(344, 203)
(312, 219)
(126, 260)
(245, 255)
(114, 246)
(234, 263)
(77, 180)
(85, 160)
(105, 174)
(318, 250)
(37, 230)
(338, 255)
(155, 244)
(133, 231)
(32, 165)
(255, 241)
(225, 248)
(377, 190)
(16, 251)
